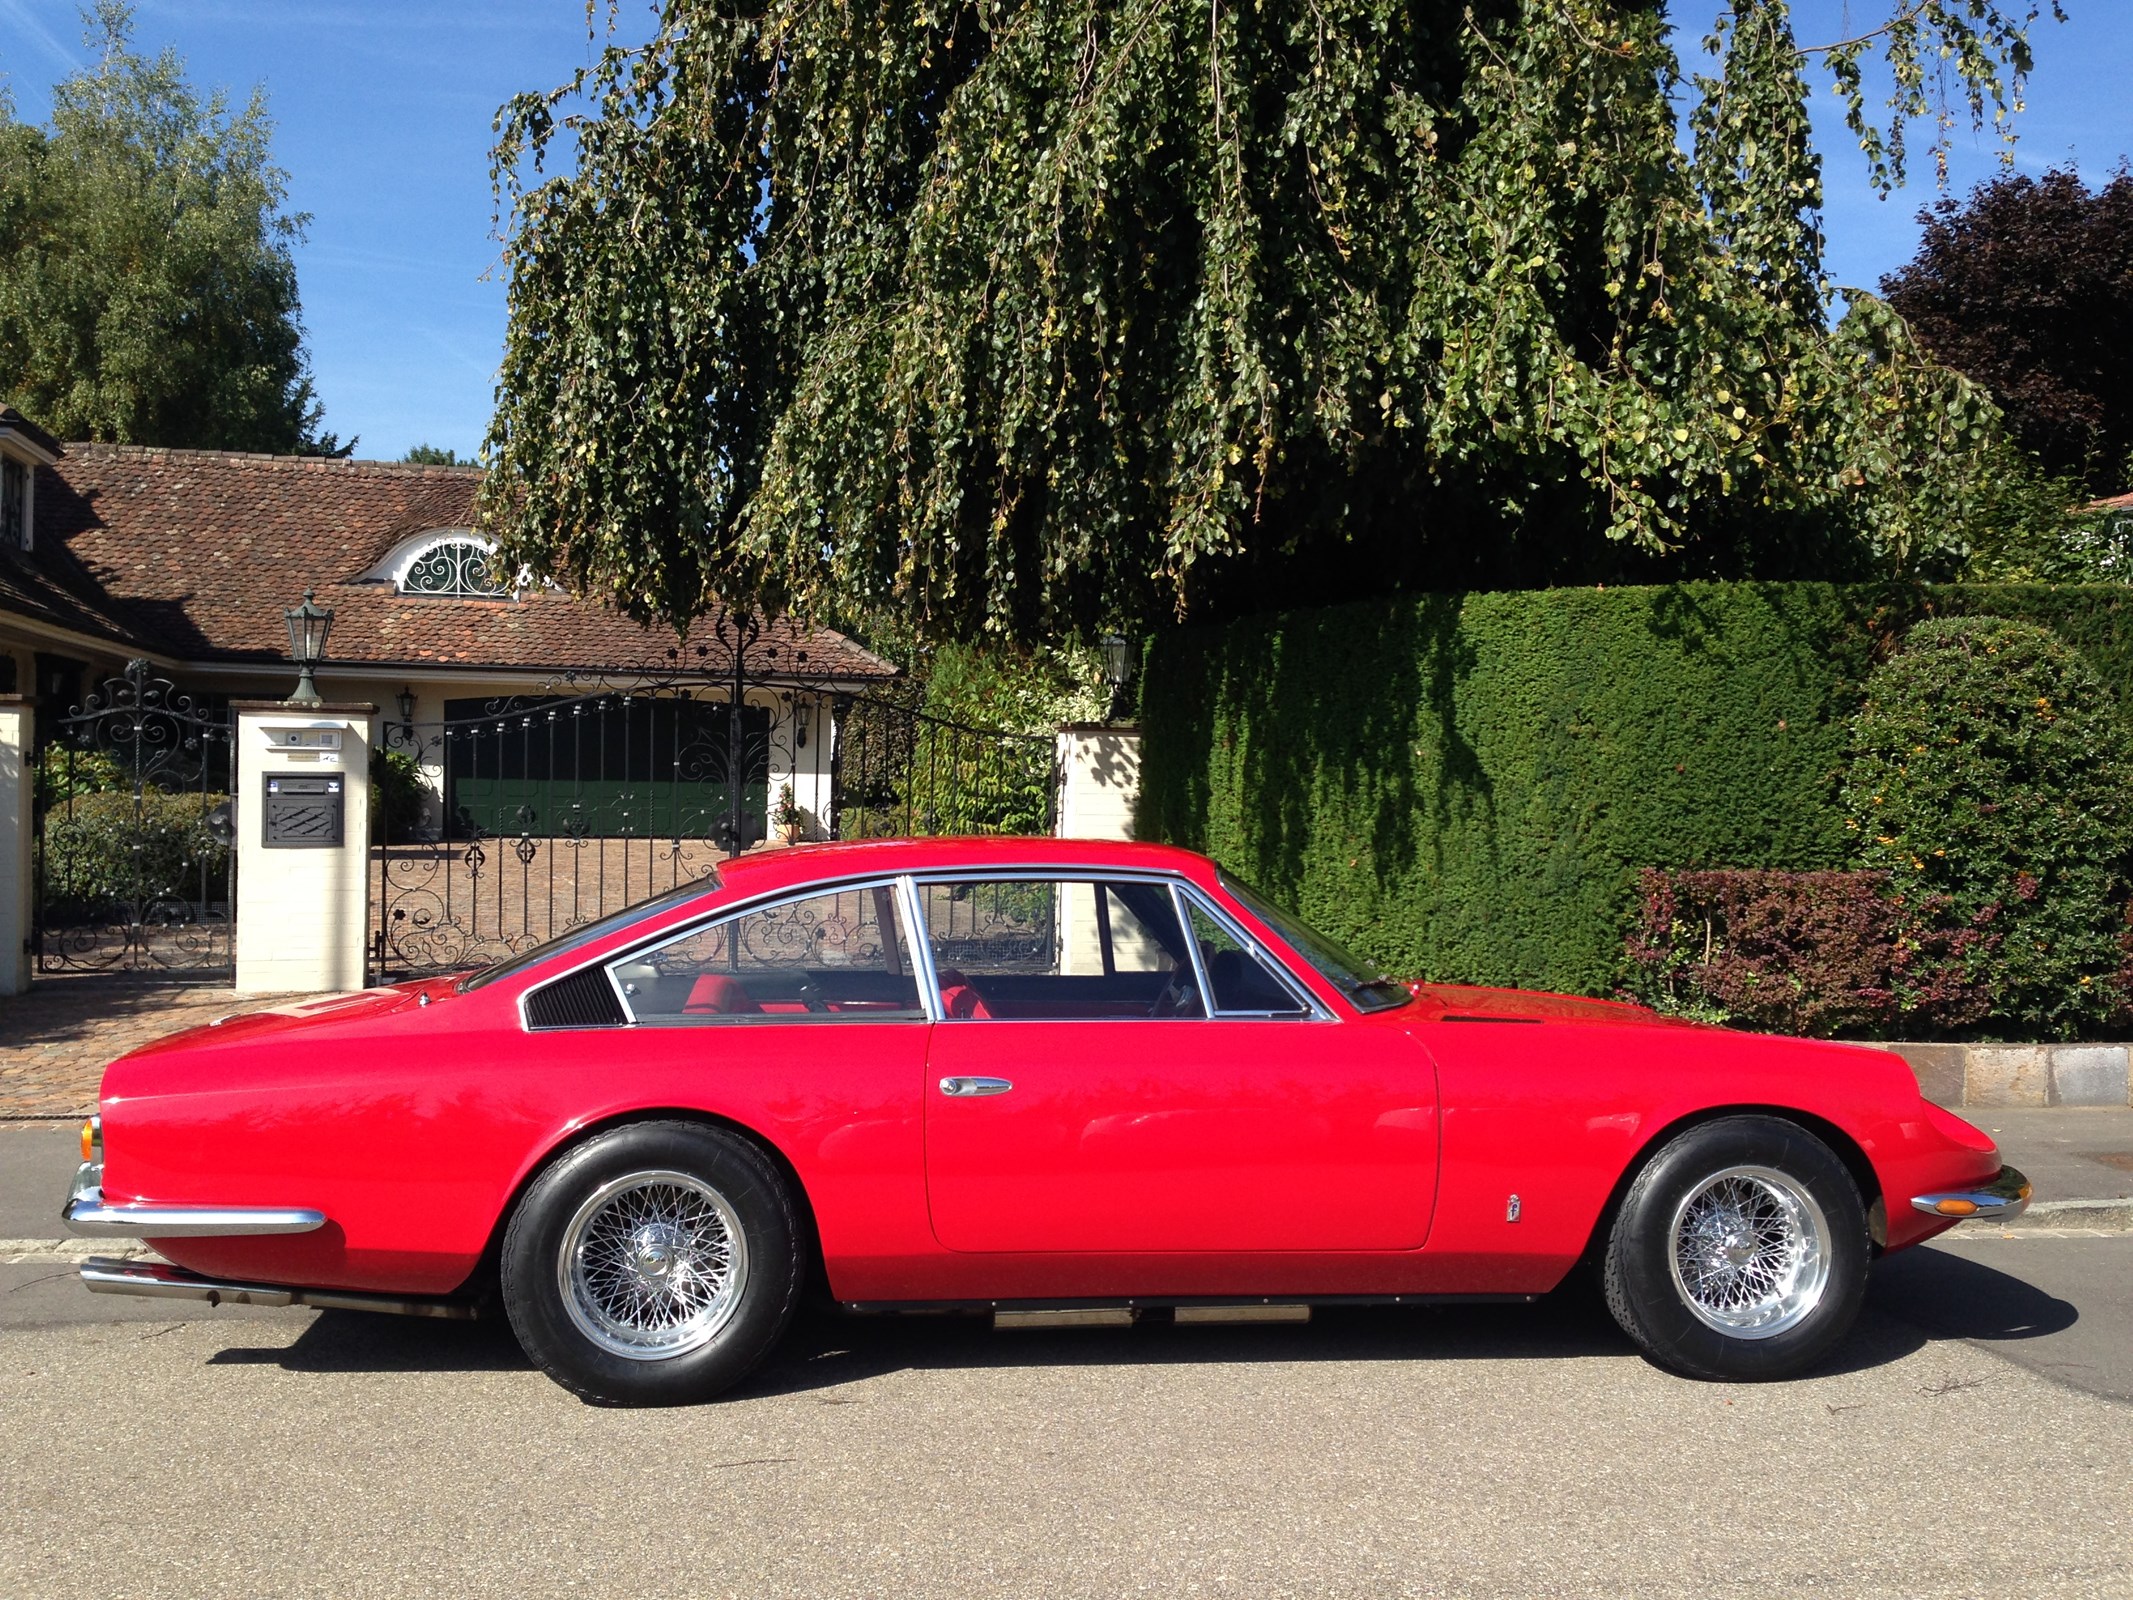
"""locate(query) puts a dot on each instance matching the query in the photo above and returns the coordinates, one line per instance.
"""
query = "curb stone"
(2006, 1076)
(2102, 1216)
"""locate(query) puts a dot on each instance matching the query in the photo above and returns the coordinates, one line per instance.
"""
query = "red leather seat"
(716, 995)
(961, 1000)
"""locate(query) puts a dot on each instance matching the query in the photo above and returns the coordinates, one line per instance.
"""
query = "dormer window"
(456, 566)
(24, 447)
(14, 503)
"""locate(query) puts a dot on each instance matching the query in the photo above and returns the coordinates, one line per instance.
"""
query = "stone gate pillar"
(1100, 781)
(18, 828)
(303, 846)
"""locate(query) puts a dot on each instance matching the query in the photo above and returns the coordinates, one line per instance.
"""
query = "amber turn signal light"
(1957, 1208)
(89, 1138)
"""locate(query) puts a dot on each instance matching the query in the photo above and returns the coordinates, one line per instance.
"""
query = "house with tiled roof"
(189, 559)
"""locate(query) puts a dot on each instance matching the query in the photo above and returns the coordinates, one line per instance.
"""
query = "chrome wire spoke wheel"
(1750, 1251)
(652, 1265)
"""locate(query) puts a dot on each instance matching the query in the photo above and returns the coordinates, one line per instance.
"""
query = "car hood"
(1462, 1002)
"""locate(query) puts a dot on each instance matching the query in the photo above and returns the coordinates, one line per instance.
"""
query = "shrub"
(1802, 952)
(1989, 776)
(1466, 786)
(399, 796)
(64, 771)
(104, 850)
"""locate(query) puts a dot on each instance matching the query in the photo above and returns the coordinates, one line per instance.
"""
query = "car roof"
(803, 863)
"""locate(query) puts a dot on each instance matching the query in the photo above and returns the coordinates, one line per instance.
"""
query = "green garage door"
(616, 767)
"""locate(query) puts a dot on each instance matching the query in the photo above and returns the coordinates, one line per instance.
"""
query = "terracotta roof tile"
(197, 554)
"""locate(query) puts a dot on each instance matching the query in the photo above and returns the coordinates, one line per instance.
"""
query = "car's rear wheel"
(655, 1264)
(1740, 1251)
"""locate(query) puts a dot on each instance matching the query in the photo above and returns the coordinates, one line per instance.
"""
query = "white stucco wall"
(17, 797)
(302, 914)
(1100, 771)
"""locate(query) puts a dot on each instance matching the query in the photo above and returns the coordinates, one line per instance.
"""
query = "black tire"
(1773, 1255)
(697, 1206)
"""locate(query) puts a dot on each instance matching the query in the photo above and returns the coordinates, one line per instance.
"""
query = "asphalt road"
(1976, 1434)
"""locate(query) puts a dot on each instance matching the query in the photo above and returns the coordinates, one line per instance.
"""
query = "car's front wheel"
(655, 1264)
(1740, 1251)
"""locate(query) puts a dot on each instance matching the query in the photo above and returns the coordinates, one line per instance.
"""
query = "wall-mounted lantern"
(406, 699)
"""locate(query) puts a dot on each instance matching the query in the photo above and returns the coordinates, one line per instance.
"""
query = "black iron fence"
(901, 771)
(135, 870)
(507, 822)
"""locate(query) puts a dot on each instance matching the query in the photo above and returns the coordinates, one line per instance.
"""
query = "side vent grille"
(585, 999)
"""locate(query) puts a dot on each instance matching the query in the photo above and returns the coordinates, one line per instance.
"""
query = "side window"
(1240, 978)
(825, 955)
(1058, 950)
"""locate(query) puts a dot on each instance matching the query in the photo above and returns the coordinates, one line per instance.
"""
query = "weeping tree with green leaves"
(1023, 318)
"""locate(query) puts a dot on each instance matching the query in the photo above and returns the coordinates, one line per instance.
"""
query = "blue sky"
(384, 108)
(382, 112)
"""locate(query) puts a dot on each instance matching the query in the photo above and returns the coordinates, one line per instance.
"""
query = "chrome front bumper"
(85, 1213)
(2006, 1196)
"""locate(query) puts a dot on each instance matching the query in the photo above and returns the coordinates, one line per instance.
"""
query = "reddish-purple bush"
(1805, 952)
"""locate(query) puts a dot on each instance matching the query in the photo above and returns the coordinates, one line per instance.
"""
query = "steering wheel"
(809, 994)
(1180, 997)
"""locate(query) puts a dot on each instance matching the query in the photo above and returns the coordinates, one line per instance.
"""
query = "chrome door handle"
(969, 1088)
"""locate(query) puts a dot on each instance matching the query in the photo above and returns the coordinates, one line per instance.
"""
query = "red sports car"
(1049, 1079)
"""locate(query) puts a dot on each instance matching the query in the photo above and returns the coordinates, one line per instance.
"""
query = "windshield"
(585, 934)
(1362, 983)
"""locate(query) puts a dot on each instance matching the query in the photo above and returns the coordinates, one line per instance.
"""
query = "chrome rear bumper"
(104, 1275)
(2005, 1196)
(86, 1213)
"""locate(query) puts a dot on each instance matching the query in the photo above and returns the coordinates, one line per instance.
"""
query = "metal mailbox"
(303, 811)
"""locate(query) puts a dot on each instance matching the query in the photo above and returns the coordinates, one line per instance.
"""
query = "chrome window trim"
(929, 987)
(822, 886)
(1223, 877)
(1314, 1009)
(1061, 874)
(929, 990)
(1078, 872)
(1178, 905)
(765, 1019)
(768, 902)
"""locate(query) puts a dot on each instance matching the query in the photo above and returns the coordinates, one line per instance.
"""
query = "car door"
(1086, 1093)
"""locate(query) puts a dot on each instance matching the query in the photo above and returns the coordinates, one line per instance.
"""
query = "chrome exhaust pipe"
(157, 1280)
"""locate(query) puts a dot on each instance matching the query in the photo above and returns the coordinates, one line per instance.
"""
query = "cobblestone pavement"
(56, 1040)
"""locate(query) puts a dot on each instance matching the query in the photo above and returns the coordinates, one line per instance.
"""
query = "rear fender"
(481, 1282)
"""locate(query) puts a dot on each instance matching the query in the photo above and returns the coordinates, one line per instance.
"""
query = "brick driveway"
(55, 1040)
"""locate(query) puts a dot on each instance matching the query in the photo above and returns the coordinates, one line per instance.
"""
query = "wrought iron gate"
(898, 770)
(510, 821)
(135, 868)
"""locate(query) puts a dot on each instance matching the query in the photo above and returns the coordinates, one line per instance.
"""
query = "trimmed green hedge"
(1466, 786)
